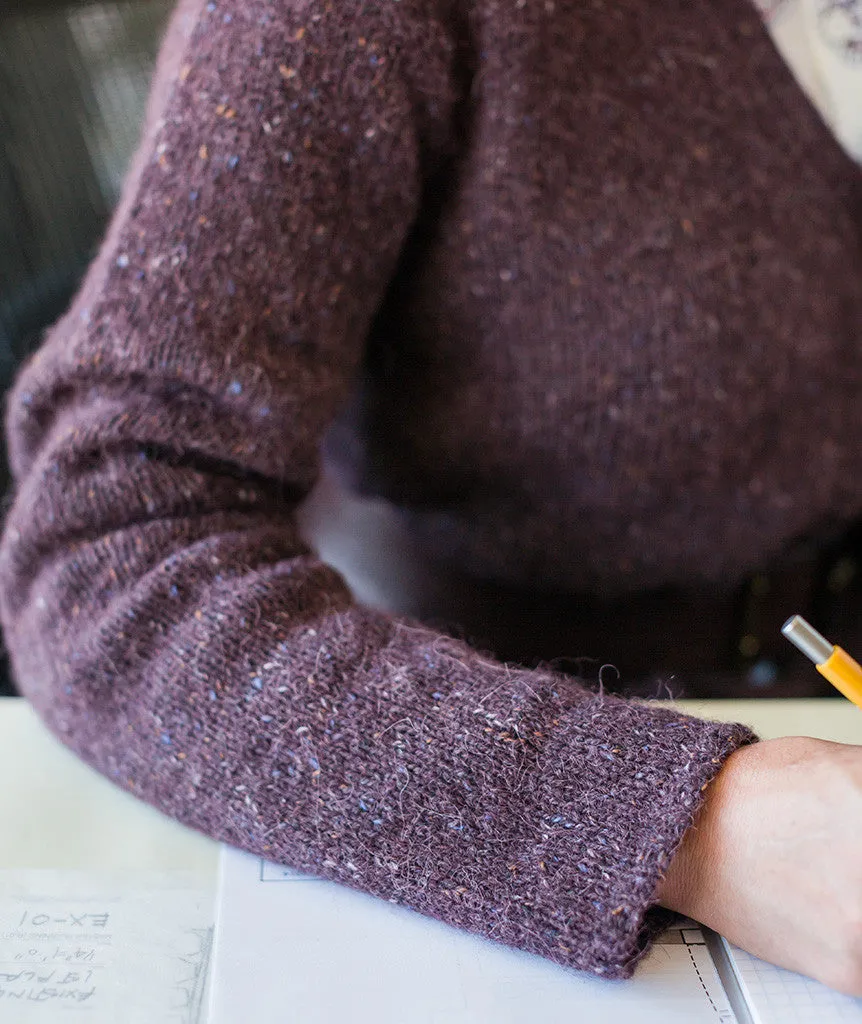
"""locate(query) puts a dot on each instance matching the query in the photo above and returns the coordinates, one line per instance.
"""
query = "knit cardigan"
(583, 276)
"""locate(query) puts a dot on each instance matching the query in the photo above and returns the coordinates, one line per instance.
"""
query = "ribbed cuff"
(620, 783)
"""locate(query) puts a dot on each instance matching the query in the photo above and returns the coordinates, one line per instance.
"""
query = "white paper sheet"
(121, 948)
(289, 948)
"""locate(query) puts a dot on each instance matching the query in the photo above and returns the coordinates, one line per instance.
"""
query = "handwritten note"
(103, 948)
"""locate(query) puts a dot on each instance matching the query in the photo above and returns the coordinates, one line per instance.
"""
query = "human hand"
(774, 859)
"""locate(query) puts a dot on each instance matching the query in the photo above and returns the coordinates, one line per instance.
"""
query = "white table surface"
(58, 813)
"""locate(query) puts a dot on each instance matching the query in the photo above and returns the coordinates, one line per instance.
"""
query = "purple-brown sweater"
(584, 281)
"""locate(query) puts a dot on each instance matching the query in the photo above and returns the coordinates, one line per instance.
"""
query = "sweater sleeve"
(161, 611)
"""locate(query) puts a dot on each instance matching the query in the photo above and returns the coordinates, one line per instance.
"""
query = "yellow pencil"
(844, 672)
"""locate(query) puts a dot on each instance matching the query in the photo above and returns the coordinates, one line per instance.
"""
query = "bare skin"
(774, 861)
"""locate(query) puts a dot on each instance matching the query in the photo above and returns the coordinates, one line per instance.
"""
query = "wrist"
(692, 880)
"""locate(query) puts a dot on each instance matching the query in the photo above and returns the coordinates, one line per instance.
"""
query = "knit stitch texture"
(594, 266)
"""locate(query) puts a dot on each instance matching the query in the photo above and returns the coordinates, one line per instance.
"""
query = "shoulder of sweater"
(356, 47)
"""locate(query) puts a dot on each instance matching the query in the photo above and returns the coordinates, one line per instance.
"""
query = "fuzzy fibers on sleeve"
(163, 614)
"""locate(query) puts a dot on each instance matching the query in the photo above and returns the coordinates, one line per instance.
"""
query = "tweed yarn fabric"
(594, 267)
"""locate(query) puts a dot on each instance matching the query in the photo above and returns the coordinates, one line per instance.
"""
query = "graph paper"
(776, 996)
